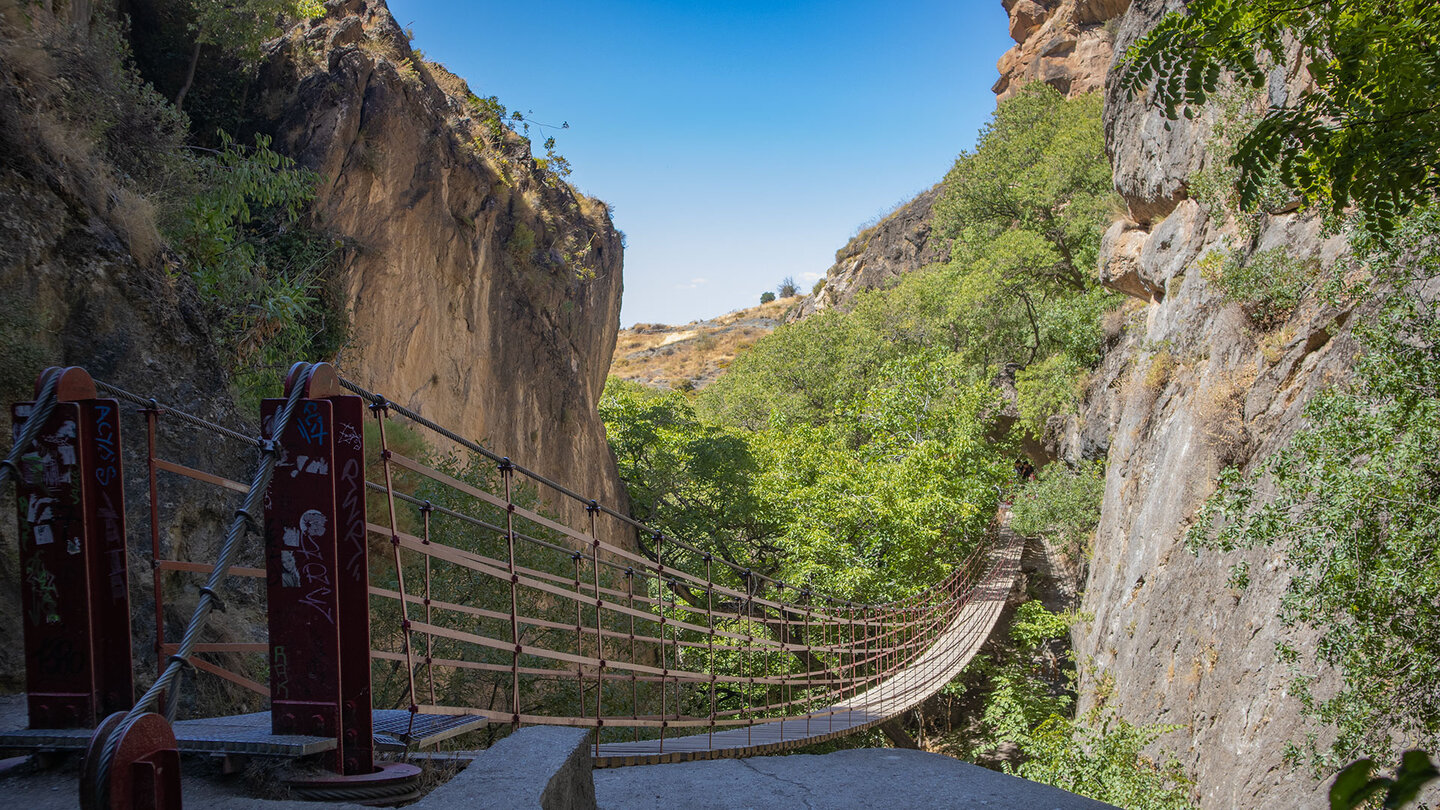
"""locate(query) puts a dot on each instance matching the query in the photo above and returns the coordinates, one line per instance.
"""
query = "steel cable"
(244, 518)
(136, 399)
(44, 405)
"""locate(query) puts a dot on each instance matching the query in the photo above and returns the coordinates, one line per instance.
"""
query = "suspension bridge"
(415, 586)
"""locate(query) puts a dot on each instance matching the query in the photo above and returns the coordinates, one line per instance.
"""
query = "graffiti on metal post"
(43, 592)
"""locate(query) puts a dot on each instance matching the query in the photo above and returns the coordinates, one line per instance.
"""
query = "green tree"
(799, 373)
(1367, 130)
(1061, 505)
(688, 479)
(1039, 181)
(1102, 755)
(239, 27)
(261, 271)
(889, 495)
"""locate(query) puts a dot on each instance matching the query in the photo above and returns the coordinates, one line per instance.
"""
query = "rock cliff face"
(898, 244)
(1193, 386)
(83, 284)
(1067, 44)
(484, 292)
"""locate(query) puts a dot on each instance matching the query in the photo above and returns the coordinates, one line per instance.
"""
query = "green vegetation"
(864, 453)
(1061, 505)
(1366, 133)
(1355, 513)
(1101, 755)
(766, 297)
(1268, 284)
(262, 272)
(1027, 701)
(239, 28)
(1355, 787)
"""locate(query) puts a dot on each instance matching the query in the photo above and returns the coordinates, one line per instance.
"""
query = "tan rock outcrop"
(1066, 44)
(484, 292)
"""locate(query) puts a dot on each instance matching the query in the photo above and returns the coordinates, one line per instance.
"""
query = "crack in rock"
(803, 787)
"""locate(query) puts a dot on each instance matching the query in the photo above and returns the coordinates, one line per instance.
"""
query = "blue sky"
(738, 143)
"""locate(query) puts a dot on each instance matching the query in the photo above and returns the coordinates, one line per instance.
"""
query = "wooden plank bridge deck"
(928, 674)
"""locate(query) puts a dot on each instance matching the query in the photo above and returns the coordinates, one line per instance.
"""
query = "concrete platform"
(250, 734)
(865, 779)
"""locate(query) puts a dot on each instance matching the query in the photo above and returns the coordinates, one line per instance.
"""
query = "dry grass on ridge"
(692, 356)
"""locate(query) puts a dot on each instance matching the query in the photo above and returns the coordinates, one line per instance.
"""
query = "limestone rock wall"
(485, 293)
(1191, 386)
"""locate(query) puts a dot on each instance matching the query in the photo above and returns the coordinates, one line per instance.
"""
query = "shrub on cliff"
(1356, 512)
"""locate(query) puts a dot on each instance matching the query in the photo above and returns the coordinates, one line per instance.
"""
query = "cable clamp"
(214, 597)
(250, 521)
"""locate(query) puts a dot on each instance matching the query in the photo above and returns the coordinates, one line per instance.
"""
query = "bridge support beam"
(74, 576)
(318, 573)
(897, 735)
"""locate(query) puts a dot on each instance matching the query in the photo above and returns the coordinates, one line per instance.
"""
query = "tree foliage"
(875, 502)
(239, 28)
(1367, 131)
(1039, 182)
(690, 479)
(1061, 505)
(1102, 755)
(262, 272)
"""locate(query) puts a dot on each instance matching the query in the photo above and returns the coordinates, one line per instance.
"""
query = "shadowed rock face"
(484, 292)
(83, 283)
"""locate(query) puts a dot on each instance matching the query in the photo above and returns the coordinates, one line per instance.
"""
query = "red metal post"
(507, 473)
(710, 636)
(105, 553)
(74, 588)
(634, 680)
(55, 599)
(152, 414)
(352, 577)
(303, 570)
(594, 510)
